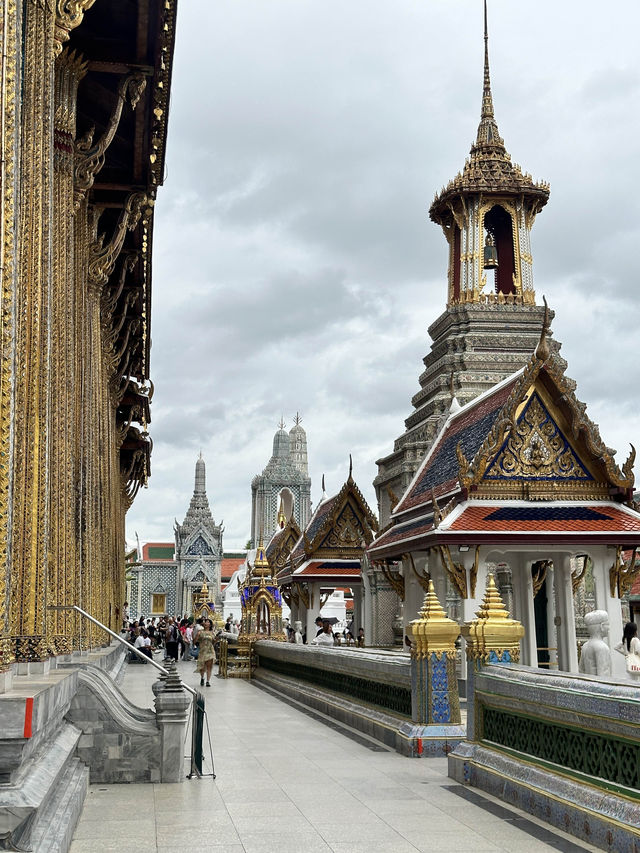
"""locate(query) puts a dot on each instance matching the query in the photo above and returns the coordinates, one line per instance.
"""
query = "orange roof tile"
(586, 518)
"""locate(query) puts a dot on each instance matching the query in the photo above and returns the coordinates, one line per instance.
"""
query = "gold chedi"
(493, 636)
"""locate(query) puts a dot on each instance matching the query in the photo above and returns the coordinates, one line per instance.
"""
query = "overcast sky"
(295, 266)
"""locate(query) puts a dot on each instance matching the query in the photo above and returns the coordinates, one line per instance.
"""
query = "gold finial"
(493, 635)
(282, 519)
(433, 631)
(542, 350)
(492, 606)
(350, 478)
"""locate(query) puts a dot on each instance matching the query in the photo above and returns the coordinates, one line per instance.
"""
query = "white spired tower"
(284, 482)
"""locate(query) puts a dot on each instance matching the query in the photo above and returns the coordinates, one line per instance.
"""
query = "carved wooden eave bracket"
(396, 580)
(577, 576)
(135, 455)
(90, 157)
(455, 571)
(423, 577)
(623, 573)
(110, 296)
(69, 15)
(102, 259)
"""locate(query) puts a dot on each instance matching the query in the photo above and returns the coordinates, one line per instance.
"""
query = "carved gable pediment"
(537, 449)
(346, 532)
(199, 547)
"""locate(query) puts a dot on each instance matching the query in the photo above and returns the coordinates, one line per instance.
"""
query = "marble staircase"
(64, 721)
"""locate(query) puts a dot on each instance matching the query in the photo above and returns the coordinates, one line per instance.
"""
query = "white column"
(313, 611)
(567, 643)
(530, 645)
(603, 559)
(552, 609)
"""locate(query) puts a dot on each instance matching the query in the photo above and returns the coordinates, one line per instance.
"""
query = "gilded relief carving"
(536, 449)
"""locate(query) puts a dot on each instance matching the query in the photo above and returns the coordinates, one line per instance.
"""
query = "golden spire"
(487, 129)
(260, 564)
(282, 519)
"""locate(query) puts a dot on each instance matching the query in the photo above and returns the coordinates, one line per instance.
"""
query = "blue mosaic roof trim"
(547, 513)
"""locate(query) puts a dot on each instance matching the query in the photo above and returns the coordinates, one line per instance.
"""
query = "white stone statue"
(297, 636)
(596, 655)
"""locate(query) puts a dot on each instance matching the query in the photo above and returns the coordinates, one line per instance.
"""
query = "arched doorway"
(499, 224)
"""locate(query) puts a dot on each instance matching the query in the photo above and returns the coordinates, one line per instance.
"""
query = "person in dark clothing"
(171, 635)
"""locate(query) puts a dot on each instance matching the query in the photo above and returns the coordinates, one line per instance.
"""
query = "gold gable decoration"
(346, 532)
(544, 367)
(536, 448)
(350, 524)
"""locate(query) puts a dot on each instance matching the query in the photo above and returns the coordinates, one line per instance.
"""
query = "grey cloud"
(294, 262)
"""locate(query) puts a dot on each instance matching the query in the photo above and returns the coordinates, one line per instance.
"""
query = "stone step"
(54, 827)
(39, 782)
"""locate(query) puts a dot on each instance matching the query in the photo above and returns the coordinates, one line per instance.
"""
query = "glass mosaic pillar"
(492, 637)
(435, 728)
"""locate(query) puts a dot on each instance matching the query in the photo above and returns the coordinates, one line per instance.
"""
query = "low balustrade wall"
(565, 748)
(381, 680)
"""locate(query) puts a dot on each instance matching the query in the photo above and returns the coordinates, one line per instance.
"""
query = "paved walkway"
(287, 783)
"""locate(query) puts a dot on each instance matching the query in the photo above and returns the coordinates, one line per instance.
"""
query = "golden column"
(64, 365)
(9, 158)
(492, 637)
(29, 512)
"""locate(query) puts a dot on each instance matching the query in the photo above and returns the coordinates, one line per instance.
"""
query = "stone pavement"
(288, 783)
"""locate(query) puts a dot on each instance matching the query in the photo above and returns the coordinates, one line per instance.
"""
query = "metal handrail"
(117, 637)
(197, 705)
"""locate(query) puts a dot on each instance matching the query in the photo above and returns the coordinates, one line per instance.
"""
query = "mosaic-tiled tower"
(198, 547)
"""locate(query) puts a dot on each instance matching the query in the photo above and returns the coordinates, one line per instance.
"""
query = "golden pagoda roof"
(488, 168)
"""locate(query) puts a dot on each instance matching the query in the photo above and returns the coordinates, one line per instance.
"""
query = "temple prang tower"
(491, 323)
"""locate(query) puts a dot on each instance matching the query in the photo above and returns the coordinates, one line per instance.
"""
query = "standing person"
(171, 635)
(206, 654)
(125, 616)
(630, 645)
(187, 638)
(227, 625)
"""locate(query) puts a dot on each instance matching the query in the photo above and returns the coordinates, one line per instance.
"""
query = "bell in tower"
(490, 253)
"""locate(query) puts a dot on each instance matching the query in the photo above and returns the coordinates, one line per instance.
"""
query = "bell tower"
(491, 323)
(486, 213)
